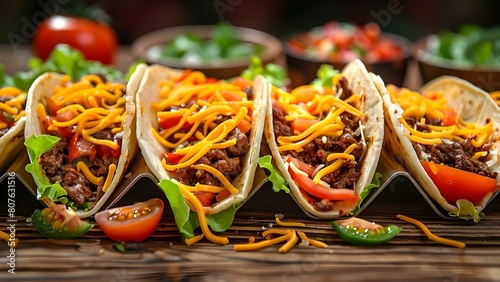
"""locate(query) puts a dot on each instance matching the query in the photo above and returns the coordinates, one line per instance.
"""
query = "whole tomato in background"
(97, 41)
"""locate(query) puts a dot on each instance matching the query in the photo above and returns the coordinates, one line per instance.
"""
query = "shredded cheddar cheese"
(430, 235)
(288, 235)
(12, 108)
(6, 237)
(432, 106)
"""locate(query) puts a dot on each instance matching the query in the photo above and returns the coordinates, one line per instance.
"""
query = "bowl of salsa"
(338, 43)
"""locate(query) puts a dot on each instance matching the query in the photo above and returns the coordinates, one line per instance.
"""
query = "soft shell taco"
(326, 139)
(203, 135)
(80, 137)
(12, 120)
(446, 136)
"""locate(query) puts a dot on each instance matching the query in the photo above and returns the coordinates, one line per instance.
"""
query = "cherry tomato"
(455, 184)
(80, 148)
(133, 223)
(321, 191)
(97, 41)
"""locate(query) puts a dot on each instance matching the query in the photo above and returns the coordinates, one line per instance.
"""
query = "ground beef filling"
(452, 153)
(228, 161)
(57, 168)
(316, 152)
(3, 132)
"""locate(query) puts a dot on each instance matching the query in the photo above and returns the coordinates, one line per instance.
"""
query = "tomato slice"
(133, 223)
(309, 169)
(455, 184)
(80, 148)
(321, 191)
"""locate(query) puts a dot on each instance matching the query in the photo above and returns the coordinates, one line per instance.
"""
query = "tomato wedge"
(455, 184)
(204, 197)
(321, 191)
(302, 124)
(172, 158)
(133, 223)
(450, 117)
(80, 148)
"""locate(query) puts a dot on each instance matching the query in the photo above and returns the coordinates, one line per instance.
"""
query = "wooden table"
(411, 256)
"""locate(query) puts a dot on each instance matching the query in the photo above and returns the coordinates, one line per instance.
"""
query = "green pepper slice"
(59, 222)
(361, 232)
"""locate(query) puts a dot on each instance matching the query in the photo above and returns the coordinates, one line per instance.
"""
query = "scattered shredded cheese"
(6, 237)
(429, 234)
(286, 235)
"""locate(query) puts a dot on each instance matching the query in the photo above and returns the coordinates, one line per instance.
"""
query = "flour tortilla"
(44, 87)
(152, 150)
(11, 144)
(373, 123)
(470, 102)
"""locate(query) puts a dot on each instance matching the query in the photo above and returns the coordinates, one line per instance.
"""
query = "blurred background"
(132, 18)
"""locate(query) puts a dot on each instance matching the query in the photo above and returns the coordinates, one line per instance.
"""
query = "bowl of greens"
(472, 53)
(220, 50)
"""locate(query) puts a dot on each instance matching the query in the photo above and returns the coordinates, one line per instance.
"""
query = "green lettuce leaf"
(325, 76)
(276, 179)
(179, 208)
(274, 73)
(36, 146)
(368, 189)
(467, 211)
(66, 60)
(186, 220)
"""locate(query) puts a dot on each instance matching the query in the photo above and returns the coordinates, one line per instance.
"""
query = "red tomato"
(132, 223)
(172, 158)
(97, 41)
(302, 124)
(205, 198)
(52, 107)
(450, 117)
(455, 184)
(167, 123)
(244, 126)
(309, 169)
(80, 148)
(103, 150)
(321, 191)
